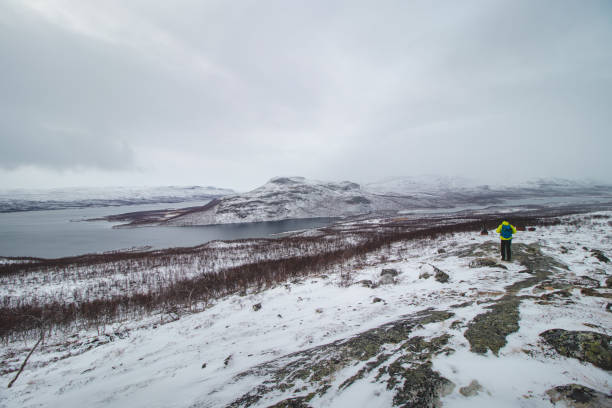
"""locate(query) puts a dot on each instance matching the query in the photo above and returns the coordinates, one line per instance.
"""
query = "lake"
(59, 233)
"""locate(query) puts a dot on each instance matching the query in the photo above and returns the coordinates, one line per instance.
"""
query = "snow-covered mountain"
(444, 185)
(291, 198)
(297, 197)
(426, 184)
(79, 197)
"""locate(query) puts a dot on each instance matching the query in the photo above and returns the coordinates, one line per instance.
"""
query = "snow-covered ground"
(197, 361)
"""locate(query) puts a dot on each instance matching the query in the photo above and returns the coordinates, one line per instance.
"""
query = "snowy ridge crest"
(290, 198)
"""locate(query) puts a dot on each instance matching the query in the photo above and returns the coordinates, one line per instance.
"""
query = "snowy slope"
(428, 184)
(441, 186)
(51, 199)
(215, 357)
(293, 197)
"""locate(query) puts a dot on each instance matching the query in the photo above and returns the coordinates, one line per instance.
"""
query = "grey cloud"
(330, 90)
(62, 148)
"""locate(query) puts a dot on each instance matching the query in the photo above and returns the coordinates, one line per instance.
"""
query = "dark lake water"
(59, 233)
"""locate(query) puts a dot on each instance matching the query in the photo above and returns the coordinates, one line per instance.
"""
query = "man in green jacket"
(505, 231)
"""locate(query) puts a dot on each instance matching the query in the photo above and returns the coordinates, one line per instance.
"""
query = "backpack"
(506, 231)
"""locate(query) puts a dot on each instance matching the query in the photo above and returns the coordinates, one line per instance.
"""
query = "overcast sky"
(232, 93)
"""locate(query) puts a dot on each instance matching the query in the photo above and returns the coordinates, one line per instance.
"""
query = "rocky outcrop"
(485, 262)
(488, 331)
(403, 362)
(600, 256)
(470, 390)
(299, 402)
(579, 396)
(440, 275)
(387, 276)
(588, 346)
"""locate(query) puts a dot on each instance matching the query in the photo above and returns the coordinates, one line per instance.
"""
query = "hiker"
(505, 231)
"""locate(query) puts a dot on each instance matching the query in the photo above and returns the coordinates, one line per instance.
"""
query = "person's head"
(505, 223)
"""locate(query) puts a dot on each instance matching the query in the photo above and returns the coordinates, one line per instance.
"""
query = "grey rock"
(588, 346)
(600, 256)
(470, 390)
(586, 282)
(257, 306)
(457, 324)
(485, 262)
(488, 331)
(366, 282)
(424, 275)
(440, 275)
(315, 367)
(377, 300)
(391, 272)
(386, 280)
(579, 396)
(296, 402)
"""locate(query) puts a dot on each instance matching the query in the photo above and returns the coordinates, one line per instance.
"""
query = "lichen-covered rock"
(386, 280)
(313, 368)
(470, 390)
(609, 282)
(422, 387)
(480, 262)
(366, 283)
(411, 375)
(488, 331)
(600, 256)
(484, 262)
(586, 282)
(579, 396)
(256, 306)
(586, 346)
(440, 275)
(558, 294)
(595, 293)
(392, 272)
(297, 402)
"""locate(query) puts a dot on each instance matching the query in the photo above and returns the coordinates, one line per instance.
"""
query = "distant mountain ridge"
(15, 200)
(291, 198)
(297, 197)
(431, 184)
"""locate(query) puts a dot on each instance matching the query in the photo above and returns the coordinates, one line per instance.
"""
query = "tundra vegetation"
(59, 296)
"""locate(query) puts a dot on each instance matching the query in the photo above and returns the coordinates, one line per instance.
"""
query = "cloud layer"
(231, 94)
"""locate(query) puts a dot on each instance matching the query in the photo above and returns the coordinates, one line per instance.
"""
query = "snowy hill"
(423, 323)
(441, 186)
(427, 184)
(51, 199)
(296, 197)
(293, 197)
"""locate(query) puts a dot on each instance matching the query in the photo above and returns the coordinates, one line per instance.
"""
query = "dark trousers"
(506, 252)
